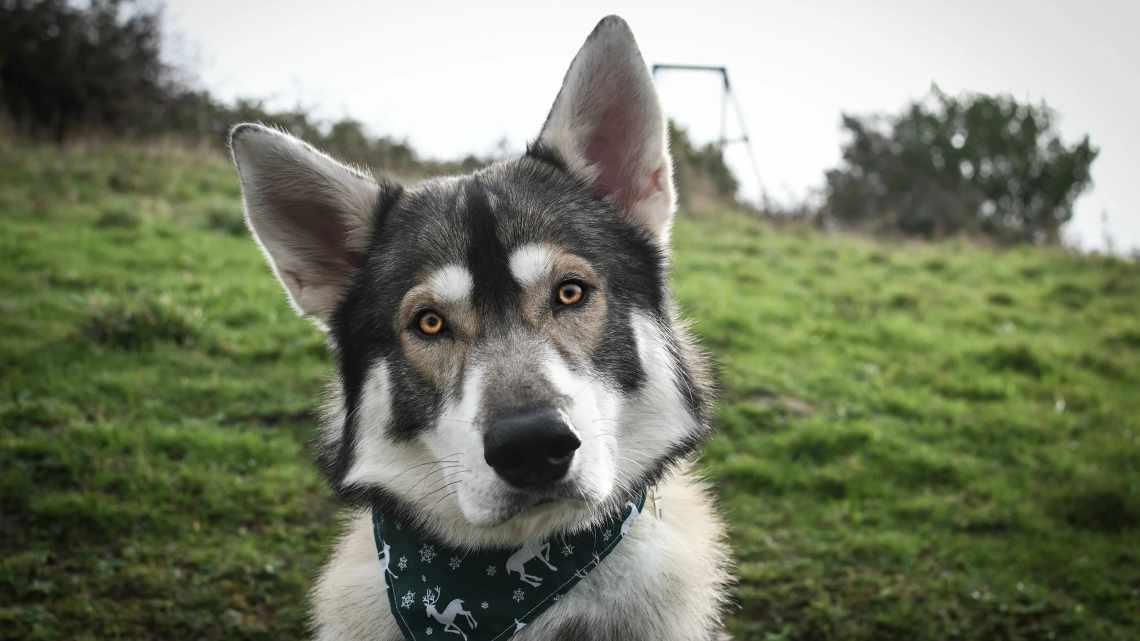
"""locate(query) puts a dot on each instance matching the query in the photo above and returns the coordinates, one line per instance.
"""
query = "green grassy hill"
(917, 442)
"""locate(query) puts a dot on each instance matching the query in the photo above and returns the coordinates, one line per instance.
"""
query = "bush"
(699, 170)
(64, 66)
(973, 164)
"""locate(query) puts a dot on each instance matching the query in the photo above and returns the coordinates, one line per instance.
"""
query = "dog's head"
(508, 358)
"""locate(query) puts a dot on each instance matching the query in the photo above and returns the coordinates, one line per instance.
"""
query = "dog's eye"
(570, 292)
(430, 323)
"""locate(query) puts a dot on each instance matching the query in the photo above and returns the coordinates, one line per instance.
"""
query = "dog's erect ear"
(606, 125)
(312, 215)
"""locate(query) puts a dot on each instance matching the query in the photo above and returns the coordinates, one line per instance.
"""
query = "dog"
(510, 362)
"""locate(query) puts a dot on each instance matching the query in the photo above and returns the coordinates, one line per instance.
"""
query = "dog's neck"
(486, 593)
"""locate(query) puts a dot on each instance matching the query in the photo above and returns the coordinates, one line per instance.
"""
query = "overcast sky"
(453, 79)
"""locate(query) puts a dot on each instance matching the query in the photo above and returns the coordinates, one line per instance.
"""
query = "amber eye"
(430, 323)
(570, 293)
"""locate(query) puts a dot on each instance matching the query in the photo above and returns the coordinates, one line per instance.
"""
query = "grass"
(917, 442)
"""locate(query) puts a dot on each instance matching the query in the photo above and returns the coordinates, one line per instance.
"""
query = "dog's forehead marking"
(531, 262)
(451, 283)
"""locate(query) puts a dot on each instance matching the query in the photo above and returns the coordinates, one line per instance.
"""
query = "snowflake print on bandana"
(442, 592)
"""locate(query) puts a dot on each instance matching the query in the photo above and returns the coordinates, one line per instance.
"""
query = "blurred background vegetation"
(918, 440)
(977, 165)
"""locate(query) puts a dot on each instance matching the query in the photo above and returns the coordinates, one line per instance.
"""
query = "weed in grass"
(1000, 299)
(902, 301)
(1014, 358)
(135, 325)
(1102, 506)
(1129, 338)
(1072, 295)
(119, 184)
(1122, 282)
(936, 265)
(226, 217)
(824, 443)
(118, 218)
(983, 389)
(1102, 364)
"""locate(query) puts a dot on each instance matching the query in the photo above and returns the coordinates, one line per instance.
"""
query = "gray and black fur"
(479, 234)
(611, 378)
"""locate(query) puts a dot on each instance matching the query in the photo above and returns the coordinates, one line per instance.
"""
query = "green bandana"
(485, 595)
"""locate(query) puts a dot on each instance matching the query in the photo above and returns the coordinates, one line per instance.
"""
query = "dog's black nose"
(530, 448)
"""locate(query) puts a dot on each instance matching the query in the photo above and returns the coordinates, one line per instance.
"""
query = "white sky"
(453, 79)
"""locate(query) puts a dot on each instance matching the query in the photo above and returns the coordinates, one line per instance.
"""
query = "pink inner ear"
(612, 149)
(656, 183)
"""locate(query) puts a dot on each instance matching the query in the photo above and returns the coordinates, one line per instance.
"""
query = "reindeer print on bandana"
(486, 595)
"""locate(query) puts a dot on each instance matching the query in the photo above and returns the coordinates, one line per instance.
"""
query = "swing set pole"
(727, 96)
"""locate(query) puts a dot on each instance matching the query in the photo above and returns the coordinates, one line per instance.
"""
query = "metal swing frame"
(726, 97)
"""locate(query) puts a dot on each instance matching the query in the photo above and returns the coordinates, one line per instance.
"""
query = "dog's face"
(507, 355)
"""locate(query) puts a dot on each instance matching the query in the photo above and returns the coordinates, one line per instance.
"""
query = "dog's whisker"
(442, 464)
(443, 498)
(425, 495)
(445, 486)
(438, 466)
(422, 479)
(419, 465)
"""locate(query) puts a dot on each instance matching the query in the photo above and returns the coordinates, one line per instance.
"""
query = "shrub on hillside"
(973, 164)
(700, 170)
(64, 66)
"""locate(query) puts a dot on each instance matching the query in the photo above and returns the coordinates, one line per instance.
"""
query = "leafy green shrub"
(970, 164)
(72, 65)
(700, 171)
